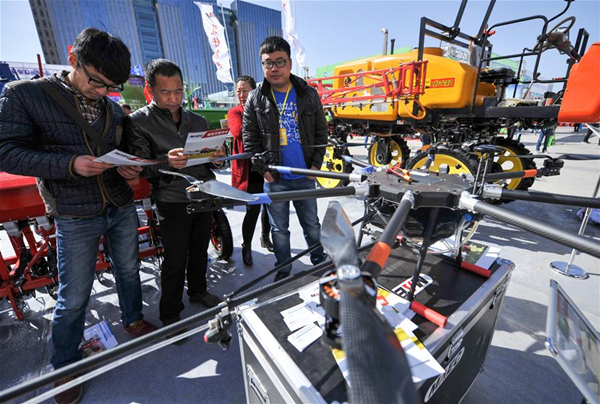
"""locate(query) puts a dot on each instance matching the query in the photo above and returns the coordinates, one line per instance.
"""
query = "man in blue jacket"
(284, 115)
(88, 199)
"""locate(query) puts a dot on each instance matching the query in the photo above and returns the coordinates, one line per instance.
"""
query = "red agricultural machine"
(31, 235)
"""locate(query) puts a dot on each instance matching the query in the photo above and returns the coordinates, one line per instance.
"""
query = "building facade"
(254, 25)
(59, 21)
(161, 28)
(146, 20)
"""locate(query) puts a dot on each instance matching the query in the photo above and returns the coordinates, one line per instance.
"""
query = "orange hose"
(414, 116)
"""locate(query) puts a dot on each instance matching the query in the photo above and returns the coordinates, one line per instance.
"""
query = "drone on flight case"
(413, 209)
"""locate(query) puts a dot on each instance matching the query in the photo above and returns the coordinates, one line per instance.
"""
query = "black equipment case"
(276, 372)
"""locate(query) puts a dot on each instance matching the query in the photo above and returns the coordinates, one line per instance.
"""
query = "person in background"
(88, 199)
(544, 138)
(158, 132)
(243, 178)
(284, 116)
(126, 109)
(588, 134)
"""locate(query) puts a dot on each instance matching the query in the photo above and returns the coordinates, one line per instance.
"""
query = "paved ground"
(518, 367)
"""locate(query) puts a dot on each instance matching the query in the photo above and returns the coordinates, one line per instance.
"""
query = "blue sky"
(333, 31)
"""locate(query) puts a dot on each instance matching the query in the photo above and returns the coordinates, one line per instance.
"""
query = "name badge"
(282, 137)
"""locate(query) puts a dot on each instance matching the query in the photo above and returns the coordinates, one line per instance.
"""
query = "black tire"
(220, 235)
(333, 162)
(515, 148)
(458, 161)
(395, 143)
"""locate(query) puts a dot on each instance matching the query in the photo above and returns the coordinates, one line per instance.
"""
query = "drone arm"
(310, 194)
(534, 226)
(379, 254)
(543, 197)
(318, 173)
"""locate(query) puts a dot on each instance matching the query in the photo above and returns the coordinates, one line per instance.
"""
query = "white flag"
(290, 31)
(216, 37)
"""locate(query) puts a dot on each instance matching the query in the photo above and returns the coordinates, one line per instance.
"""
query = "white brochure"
(200, 146)
(120, 158)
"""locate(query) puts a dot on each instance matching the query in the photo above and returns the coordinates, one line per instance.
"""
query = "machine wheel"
(503, 161)
(332, 162)
(458, 161)
(398, 152)
(220, 235)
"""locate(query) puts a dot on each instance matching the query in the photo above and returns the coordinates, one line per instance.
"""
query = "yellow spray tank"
(449, 84)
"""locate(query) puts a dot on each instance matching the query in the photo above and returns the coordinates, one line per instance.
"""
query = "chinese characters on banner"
(290, 31)
(216, 37)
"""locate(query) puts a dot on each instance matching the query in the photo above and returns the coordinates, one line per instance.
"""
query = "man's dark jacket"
(150, 132)
(261, 123)
(39, 139)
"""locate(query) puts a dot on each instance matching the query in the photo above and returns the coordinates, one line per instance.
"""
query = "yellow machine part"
(448, 84)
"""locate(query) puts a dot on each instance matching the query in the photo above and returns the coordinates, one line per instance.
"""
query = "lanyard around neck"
(284, 100)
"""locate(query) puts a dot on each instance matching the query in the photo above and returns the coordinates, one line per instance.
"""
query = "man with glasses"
(284, 116)
(42, 135)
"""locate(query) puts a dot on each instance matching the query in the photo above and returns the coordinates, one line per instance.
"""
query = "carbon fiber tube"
(311, 194)
(356, 162)
(377, 365)
(535, 226)
(314, 173)
(556, 199)
(395, 224)
(504, 176)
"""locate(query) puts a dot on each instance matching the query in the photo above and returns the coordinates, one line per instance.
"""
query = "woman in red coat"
(243, 178)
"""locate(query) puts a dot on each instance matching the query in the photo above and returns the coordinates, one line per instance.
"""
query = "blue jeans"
(279, 218)
(543, 139)
(77, 243)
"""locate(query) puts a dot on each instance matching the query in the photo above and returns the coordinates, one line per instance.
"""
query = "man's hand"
(313, 178)
(129, 172)
(87, 167)
(176, 158)
(269, 177)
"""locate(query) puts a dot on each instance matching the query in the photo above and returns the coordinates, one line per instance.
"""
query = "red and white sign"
(216, 37)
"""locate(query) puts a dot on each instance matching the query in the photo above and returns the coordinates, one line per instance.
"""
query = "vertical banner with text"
(216, 37)
(290, 32)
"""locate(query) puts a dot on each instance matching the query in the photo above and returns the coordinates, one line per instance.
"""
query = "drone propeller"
(378, 368)
(216, 188)
(189, 178)
(337, 236)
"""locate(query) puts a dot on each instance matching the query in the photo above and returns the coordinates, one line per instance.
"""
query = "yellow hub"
(455, 165)
(393, 148)
(330, 164)
(508, 162)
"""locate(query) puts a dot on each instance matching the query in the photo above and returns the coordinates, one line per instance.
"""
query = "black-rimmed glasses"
(279, 63)
(100, 84)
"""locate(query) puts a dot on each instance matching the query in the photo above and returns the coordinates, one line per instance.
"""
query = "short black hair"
(248, 79)
(163, 67)
(274, 44)
(126, 106)
(104, 52)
